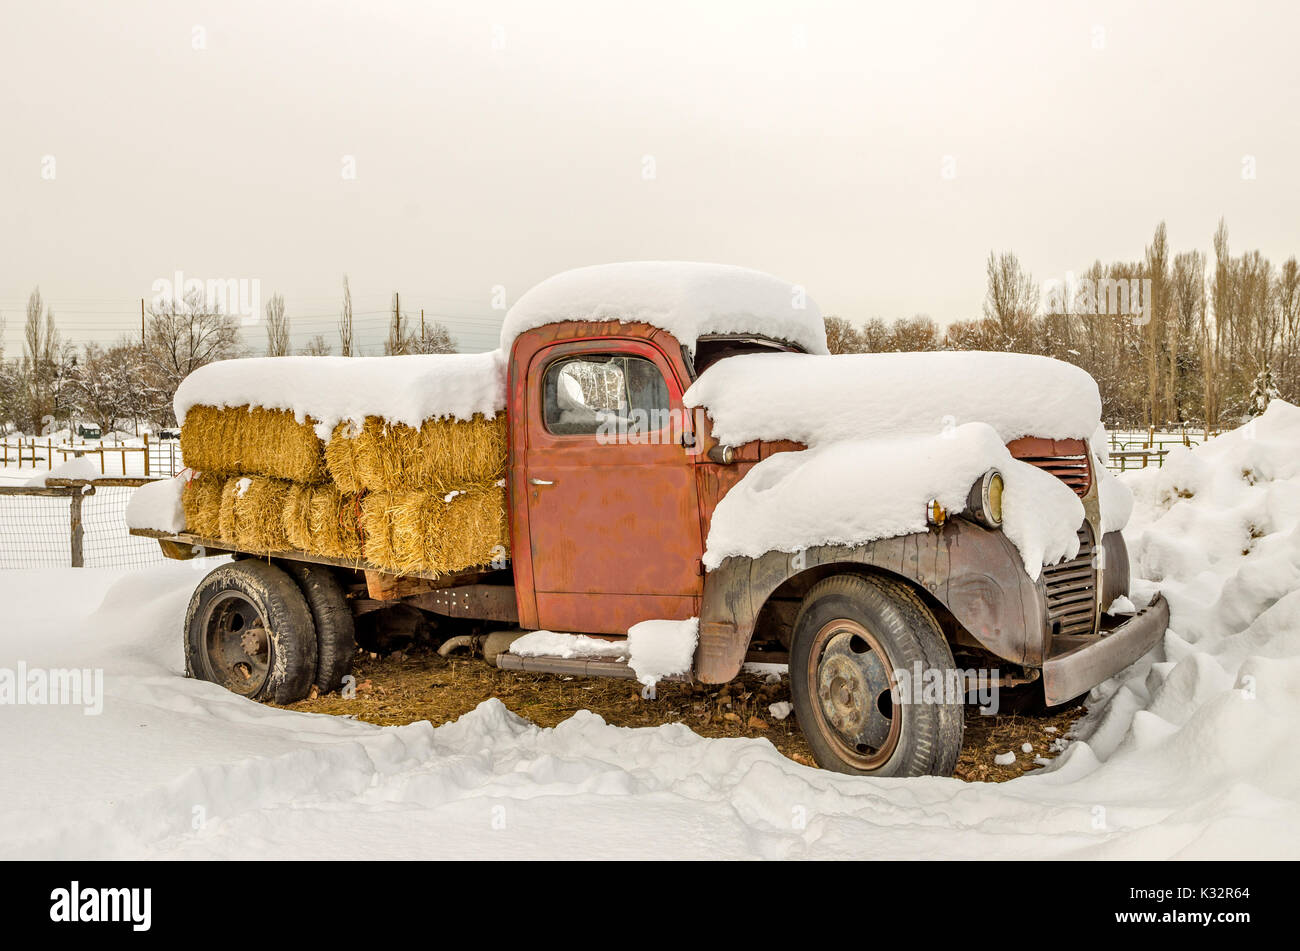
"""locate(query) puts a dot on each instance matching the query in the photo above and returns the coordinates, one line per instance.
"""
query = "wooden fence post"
(78, 531)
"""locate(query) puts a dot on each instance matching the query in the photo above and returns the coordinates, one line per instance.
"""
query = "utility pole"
(143, 340)
(421, 329)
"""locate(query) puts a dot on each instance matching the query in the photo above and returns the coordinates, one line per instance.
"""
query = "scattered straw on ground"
(420, 685)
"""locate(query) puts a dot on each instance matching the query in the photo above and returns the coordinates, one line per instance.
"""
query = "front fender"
(976, 573)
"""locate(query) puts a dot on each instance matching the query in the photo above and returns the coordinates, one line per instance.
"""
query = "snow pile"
(689, 300)
(78, 467)
(1218, 528)
(556, 644)
(653, 649)
(1114, 498)
(820, 399)
(157, 506)
(330, 390)
(857, 491)
(661, 649)
(1187, 755)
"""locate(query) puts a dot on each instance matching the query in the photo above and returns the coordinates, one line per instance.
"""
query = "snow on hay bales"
(252, 440)
(441, 455)
(432, 532)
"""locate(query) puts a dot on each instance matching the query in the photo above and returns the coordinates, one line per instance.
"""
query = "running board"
(574, 667)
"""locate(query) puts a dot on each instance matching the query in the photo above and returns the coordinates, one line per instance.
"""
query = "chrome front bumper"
(1077, 671)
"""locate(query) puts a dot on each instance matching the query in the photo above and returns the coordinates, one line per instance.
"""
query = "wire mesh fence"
(34, 530)
(72, 523)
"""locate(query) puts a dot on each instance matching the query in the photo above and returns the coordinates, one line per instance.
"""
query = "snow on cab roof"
(688, 300)
(822, 399)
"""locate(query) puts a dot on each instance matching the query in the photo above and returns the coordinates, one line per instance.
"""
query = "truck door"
(612, 505)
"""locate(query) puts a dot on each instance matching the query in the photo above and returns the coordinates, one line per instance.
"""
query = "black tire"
(336, 640)
(249, 629)
(843, 626)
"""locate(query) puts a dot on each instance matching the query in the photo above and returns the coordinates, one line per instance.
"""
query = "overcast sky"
(874, 153)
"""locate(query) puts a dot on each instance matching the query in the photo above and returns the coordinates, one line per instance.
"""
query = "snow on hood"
(853, 492)
(407, 389)
(818, 399)
(688, 300)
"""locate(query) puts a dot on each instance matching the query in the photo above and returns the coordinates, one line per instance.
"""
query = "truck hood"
(821, 399)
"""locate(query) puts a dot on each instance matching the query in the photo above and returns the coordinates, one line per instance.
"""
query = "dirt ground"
(419, 685)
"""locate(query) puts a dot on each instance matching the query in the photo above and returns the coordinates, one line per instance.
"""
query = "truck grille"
(1072, 590)
(1067, 459)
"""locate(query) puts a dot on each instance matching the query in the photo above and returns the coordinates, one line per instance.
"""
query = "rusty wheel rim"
(236, 644)
(850, 683)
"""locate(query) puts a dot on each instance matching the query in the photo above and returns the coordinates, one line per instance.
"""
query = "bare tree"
(181, 337)
(1011, 302)
(916, 333)
(345, 321)
(433, 338)
(277, 327)
(106, 385)
(317, 346)
(1287, 294)
(842, 336)
(44, 354)
(1157, 269)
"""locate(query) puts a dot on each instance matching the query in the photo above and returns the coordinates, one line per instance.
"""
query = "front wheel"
(851, 638)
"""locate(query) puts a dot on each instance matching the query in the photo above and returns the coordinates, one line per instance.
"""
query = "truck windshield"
(709, 350)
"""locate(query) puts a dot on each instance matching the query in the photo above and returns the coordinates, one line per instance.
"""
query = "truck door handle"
(539, 482)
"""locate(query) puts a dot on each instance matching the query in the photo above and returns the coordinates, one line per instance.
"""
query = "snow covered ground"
(1189, 753)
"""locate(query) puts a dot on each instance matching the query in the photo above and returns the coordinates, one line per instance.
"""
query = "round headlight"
(984, 504)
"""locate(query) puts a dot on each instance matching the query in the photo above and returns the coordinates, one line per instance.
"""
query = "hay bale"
(336, 523)
(253, 441)
(226, 513)
(252, 513)
(296, 517)
(435, 532)
(341, 457)
(201, 500)
(322, 520)
(377, 529)
(439, 456)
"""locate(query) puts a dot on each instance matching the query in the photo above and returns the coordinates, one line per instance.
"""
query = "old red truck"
(607, 533)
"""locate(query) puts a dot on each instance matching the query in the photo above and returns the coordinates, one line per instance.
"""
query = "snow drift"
(1186, 754)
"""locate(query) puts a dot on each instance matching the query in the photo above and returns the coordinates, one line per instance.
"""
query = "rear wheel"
(336, 640)
(851, 635)
(249, 629)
